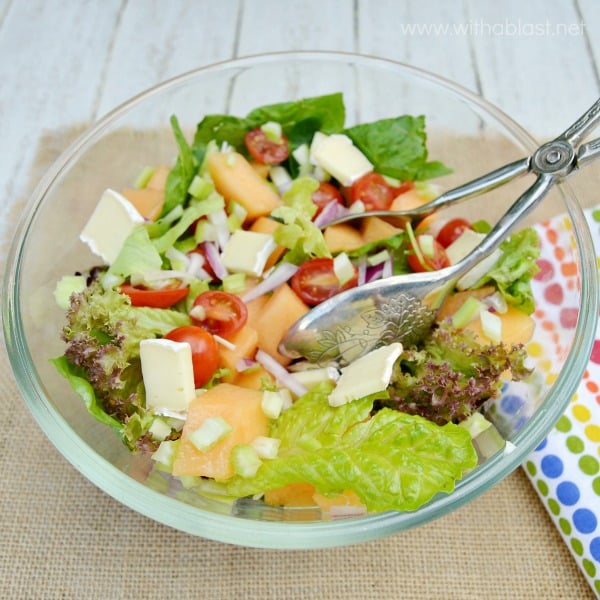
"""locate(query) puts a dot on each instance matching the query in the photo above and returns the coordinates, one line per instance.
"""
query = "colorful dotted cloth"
(565, 468)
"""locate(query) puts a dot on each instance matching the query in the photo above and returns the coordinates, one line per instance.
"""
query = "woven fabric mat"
(61, 537)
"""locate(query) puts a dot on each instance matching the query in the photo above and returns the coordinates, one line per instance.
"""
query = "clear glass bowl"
(464, 131)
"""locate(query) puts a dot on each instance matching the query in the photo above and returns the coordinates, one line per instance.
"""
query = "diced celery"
(378, 258)
(159, 429)
(491, 324)
(200, 188)
(475, 424)
(272, 403)
(144, 177)
(212, 431)
(469, 310)
(245, 460)
(426, 244)
(343, 268)
(266, 447)
(66, 287)
(165, 455)
(234, 283)
(272, 131)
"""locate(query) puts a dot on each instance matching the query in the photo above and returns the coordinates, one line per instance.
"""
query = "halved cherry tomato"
(162, 298)
(205, 353)
(452, 230)
(325, 194)
(264, 150)
(316, 281)
(439, 260)
(375, 192)
(221, 313)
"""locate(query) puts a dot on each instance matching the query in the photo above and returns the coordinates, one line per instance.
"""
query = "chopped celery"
(211, 432)
(245, 460)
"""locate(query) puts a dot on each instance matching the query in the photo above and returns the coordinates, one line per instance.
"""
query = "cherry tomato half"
(452, 230)
(439, 260)
(264, 150)
(205, 353)
(316, 281)
(375, 192)
(325, 194)
(220, 313)
(162, 298)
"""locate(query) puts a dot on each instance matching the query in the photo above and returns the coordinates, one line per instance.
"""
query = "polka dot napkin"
(565, 468)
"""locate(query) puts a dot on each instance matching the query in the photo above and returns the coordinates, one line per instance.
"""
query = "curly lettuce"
(452, 375)
(102, 335)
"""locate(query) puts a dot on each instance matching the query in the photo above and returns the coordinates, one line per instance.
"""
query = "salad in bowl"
(173, 338)
(164, 255)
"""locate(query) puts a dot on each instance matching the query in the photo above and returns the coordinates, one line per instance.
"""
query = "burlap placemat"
(64, 538)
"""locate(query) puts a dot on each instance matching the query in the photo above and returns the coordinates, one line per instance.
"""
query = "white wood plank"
(589, 11)
(157, 40)
(53, 57)
(276, 25)
(422, 34)
(534, 63)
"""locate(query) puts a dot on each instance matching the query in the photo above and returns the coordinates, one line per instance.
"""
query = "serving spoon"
(403, 308)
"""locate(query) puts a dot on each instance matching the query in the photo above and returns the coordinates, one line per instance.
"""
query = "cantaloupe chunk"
(291, 495)
(346, 498)
(158, 181)
(245, 342)
(235, 179)
(374, 229)
(241, 408)
(517, 327)
(254, 378)
(279, 313)
(148, 202)
(267, 225)
(255, 308)
(261, 169)
(408, 200)
(342, 237)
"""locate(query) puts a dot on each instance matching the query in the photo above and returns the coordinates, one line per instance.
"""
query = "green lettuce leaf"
(191, 214)
(392, 461)
(181, 175)
(299, 120)
(299, 196)
(299, 234)
(397, 147)
(138, 255)
(102, 360)
(514, 271)
(76, 377)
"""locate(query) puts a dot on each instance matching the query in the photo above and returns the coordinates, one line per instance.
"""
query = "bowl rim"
(286, 535)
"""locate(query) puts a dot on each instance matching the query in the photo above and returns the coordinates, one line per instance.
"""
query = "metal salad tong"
(403, 307)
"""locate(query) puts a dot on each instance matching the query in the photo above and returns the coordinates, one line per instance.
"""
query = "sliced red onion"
(225, 343)
(332, 210)
(362, 270)
(374, 273)
(279, 275)
(243, 364)
(213, 258)
(281, 374)
(219, 220)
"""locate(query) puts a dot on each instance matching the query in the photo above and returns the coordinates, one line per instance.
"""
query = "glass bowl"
(464, 131)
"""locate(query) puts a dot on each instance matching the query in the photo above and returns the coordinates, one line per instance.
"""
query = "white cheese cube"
(467, 241)
(109, 226)
(247, 252)
(337, 155)
(367, 375)
(168, 374)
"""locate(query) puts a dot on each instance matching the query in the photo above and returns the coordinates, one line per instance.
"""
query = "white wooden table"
(65, 63)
